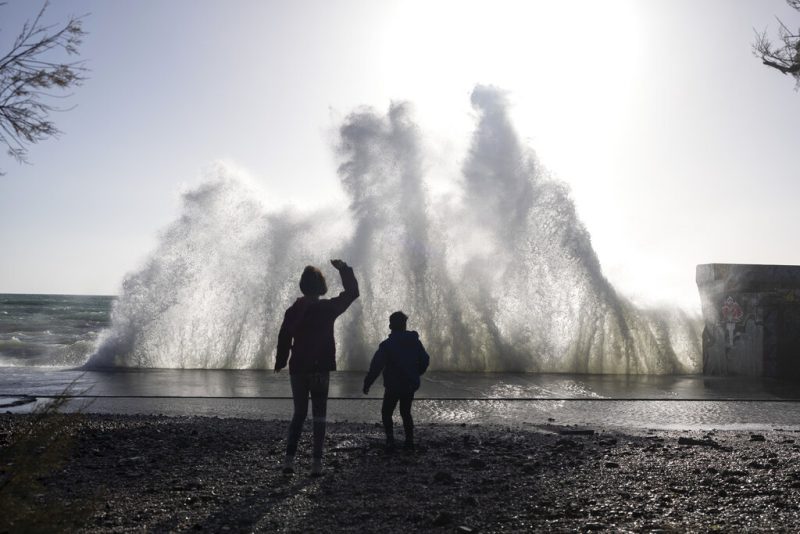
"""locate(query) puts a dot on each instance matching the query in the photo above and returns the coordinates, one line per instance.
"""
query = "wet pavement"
(185, 383)
(598, 401)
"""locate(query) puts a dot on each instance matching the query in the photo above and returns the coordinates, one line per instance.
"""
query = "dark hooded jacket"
(307, 330)
(402, 358)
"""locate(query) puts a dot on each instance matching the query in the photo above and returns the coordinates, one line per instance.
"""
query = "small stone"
(443, 477)
(477, 463)
(733, 473)
(576, 432)
(529, 469)
(593, 526)
(612, 465)
(566, 443)
(757, 437)
(755, 464)
(442, 519)
(472, 501)
(705, 442)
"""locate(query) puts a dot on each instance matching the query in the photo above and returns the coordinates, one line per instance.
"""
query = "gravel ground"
(151, 473)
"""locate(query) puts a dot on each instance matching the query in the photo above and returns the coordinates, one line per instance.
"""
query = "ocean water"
(51, 330)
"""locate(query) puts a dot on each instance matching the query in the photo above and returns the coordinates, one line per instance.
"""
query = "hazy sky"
(679, 146)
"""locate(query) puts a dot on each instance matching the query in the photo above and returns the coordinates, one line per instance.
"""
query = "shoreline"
(602, 414)
(145, 472)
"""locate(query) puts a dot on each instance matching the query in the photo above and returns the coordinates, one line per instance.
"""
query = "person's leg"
(408, 421)
(387, 410)
(300, 390)
(319, 408)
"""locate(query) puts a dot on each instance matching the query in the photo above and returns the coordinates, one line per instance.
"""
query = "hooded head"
(397, 321)
(312, 283)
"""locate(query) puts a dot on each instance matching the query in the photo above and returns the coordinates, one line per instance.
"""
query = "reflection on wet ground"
(608, 415)
(435, 385)
(597, 401)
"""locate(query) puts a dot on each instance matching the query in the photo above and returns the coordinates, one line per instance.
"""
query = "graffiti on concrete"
(752, 319)
(731, 315)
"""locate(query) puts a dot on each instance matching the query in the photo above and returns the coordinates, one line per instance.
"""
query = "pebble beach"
(134, 473)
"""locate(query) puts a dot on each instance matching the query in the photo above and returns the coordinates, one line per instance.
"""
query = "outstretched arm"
(350, 284)
(375, 368)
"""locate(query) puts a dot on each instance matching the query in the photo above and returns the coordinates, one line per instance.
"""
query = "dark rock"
(477, 463)
(757, 437)
(589, 527)
(705, 442)
(442, 519)
(529, 469)
(576, 432)
(734, 473)
(443, 477)
(470, 501)
(612, 465)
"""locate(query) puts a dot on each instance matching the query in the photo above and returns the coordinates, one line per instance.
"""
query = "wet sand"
(125, 473)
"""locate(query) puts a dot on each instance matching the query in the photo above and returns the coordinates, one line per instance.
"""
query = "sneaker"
(316, 467)
(288, 465)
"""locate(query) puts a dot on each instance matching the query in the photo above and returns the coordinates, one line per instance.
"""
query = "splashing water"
(505, 279)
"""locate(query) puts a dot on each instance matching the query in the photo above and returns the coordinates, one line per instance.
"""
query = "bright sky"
(679, 146)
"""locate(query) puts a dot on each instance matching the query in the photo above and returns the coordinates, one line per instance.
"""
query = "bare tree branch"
(28, 77)
(784, 56)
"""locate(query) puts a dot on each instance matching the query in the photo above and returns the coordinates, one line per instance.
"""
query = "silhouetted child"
(402, 358)
(307, 334)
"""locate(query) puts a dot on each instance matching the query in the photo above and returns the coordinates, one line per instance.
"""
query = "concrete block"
(752, 319)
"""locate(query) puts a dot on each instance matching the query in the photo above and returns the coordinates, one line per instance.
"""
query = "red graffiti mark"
(731, 311)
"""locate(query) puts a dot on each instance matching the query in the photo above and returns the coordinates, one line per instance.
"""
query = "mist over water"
(501, 278)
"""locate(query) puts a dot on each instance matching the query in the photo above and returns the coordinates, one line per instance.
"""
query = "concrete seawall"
(752, 319)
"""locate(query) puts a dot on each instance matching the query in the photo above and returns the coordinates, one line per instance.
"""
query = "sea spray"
(211, 294)
(397, 249)
(503, 279)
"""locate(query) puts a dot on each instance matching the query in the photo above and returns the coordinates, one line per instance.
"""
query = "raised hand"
(338, 264)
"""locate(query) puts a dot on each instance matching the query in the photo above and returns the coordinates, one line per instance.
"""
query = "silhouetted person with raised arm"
(402, 358)
(307, 332)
